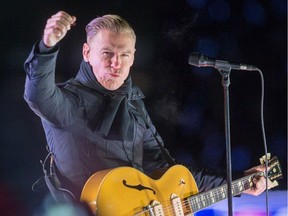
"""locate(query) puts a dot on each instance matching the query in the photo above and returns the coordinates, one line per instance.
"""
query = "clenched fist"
(57, 27)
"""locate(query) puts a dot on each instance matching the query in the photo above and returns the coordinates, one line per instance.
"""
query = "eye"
(107, 53)
(125, 55)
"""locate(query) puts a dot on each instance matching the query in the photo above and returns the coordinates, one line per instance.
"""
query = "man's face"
(111, 55)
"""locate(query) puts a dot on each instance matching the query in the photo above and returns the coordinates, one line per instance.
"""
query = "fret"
(212, 197)
(198, 202)
(219, 193)
(224, 192)
(202, 201)
(240, 185)
(177, 205)
(195, 203)
(205, 199)
(235, 188)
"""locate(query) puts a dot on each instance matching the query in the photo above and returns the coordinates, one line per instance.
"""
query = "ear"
(132, 62)
(85, 52)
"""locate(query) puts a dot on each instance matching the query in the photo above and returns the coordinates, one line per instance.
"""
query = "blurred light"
(278, 144)
(206, 213)
(279, 8)
(241, 158)
(229, 44)
(51, 208)
(207, 46)
(202, 72)
(254, 13)
(281, 211)
(248, 205)
(213, 150)
(184, 156)
(197, 4)
(191, 119)
(65, 210)
(249, 212)
(219, 10)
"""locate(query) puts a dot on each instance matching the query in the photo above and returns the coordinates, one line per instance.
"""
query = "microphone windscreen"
(194, 59)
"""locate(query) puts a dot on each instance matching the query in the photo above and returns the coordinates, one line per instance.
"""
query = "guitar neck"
(205, 199)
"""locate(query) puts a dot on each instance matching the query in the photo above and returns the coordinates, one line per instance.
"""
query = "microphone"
(199, 60)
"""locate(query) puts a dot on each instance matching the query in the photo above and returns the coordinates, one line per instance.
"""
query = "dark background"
(185, 102)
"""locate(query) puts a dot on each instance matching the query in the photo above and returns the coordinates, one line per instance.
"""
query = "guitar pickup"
(177, 205)
(155, 208)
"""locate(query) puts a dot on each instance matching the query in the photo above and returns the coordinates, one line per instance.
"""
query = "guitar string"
(196, 203)
(199, 203)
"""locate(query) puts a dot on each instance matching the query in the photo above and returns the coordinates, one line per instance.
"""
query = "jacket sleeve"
(207, 179)
(41, 93)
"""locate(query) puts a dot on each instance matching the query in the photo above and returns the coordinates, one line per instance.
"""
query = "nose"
(116, 62)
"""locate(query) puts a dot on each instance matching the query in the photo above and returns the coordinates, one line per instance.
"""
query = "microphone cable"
(264, 139)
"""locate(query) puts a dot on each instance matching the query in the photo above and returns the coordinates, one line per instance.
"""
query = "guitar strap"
(167, 156)
(59, 194)
(63, 195)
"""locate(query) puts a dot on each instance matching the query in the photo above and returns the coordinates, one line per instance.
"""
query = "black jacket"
(89, 128)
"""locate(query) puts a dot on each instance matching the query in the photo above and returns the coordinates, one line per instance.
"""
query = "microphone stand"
(225, 70)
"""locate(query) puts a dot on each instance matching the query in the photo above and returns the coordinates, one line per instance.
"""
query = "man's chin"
(111, 86)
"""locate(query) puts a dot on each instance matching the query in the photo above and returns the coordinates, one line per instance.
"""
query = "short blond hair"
(109, 22)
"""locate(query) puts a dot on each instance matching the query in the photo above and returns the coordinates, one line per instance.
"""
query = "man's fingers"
(51, 32)
(260, 183)
(62, 15)
(73, 20)
(61, 21)
(57, 27)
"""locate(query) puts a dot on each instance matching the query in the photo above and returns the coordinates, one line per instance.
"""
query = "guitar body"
(126, 191)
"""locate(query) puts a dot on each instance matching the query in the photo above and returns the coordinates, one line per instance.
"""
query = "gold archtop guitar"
(125, 191)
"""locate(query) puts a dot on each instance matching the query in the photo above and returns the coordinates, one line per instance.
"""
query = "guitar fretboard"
(205, 199)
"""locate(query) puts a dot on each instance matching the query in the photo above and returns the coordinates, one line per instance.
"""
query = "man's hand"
(57, 27)
(259, 181)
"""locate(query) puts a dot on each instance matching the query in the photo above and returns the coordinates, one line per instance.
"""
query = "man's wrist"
(43, 49)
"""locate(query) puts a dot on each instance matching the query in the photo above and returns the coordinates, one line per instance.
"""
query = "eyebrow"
(110, 49)
(106, 49)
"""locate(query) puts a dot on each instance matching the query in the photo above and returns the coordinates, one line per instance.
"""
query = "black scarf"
(116, 122)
